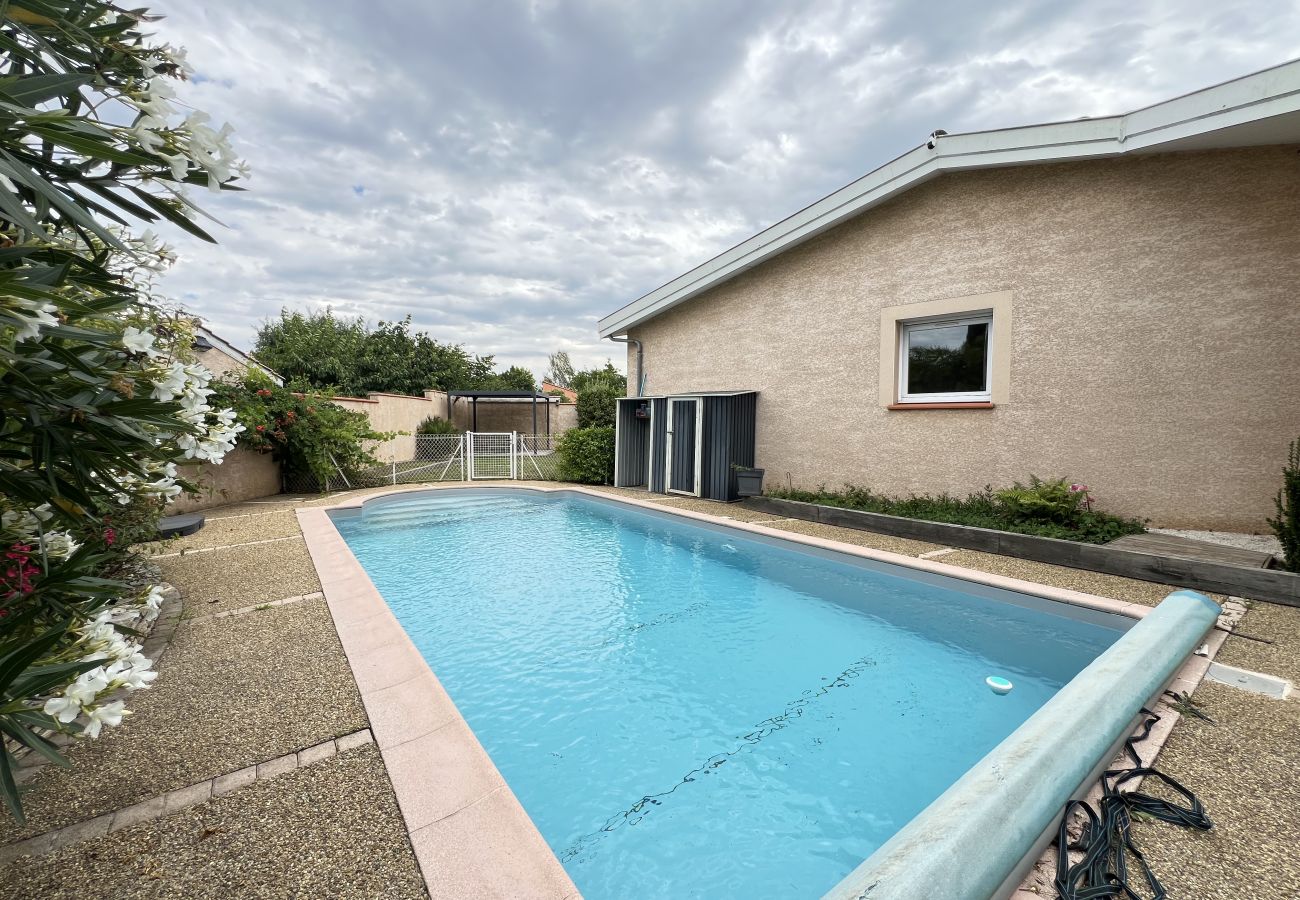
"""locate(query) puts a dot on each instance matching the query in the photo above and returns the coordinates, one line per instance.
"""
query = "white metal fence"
(473, 456)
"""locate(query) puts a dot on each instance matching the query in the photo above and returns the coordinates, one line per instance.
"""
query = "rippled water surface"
(689, 713)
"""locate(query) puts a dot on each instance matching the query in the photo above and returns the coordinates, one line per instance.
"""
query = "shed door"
(684, 431)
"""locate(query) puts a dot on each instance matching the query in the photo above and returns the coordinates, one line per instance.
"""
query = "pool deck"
(256, 695)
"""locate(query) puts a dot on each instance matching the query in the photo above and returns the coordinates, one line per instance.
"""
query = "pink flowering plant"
(100, 397)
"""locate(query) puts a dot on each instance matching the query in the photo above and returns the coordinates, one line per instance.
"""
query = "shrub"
(1048, 501)
(586, 455)
(1287, 524)
(311, 437)
(984, 509)
(436, 425)
(597, 405)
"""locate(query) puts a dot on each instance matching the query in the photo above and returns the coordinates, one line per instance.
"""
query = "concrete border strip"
(257, 607)
(180, 798)
(194, 550)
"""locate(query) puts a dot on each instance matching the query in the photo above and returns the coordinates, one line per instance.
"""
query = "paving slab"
(232, 692)
(329, 830)
(244, 576)
(886, 542)
(1280, 624)
(223, 531)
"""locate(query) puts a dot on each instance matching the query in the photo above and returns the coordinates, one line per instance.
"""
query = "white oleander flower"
(33, 319)
(139, 341)
(63, 709)
(109, 714)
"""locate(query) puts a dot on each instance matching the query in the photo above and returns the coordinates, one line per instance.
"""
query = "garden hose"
(1106, 840)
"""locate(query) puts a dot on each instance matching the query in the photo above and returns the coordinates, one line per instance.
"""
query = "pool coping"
(470, 835)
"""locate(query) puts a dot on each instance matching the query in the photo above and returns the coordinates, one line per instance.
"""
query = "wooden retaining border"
(1271, 585)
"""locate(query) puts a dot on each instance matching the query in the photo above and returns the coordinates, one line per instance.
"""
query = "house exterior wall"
(1155, 336)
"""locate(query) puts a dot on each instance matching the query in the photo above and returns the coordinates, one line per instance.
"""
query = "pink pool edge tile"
(489, 849)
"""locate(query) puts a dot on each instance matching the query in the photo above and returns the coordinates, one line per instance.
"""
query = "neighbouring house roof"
(1260, 109)
(569, 393)
(206, 339)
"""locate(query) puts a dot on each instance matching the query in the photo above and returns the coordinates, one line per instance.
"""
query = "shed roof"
(1259, 109)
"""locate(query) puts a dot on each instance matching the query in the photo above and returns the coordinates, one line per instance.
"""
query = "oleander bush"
(1054, 509)
(100, 396)
(586, 455)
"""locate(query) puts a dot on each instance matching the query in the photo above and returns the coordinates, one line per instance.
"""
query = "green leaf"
(171, 214)
(30, 90)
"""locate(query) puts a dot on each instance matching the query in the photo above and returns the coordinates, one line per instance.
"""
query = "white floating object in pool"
(999, 684)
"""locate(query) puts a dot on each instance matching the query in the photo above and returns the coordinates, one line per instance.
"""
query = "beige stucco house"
(1113, 300)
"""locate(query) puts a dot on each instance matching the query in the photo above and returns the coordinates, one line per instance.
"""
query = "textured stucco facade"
(1154, 346)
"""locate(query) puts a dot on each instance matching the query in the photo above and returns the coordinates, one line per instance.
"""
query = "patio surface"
(244, 684)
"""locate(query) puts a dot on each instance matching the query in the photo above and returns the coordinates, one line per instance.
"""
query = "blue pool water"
(687, 712)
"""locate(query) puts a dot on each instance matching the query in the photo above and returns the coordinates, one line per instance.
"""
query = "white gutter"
(1252, 98)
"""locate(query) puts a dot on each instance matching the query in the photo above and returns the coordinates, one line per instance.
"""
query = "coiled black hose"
(1106, 840)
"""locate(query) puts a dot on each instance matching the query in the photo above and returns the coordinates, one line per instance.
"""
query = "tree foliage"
(606, 376)
(597, 406)
(559, 369)
(322, 351)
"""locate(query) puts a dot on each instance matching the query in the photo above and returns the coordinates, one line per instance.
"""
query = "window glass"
(947, 357)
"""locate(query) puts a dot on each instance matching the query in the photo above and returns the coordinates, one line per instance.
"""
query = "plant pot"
(749, 482)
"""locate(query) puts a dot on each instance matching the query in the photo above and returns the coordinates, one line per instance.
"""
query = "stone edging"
(1270, 585)
(180, 798)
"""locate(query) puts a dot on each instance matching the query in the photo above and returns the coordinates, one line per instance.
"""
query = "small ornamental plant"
(1287, 524)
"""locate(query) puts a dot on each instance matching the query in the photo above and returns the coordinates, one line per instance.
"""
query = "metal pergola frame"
(474, 397)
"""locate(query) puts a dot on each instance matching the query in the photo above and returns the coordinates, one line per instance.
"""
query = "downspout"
(640, 357)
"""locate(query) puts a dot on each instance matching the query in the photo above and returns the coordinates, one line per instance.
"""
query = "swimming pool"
(687, 711)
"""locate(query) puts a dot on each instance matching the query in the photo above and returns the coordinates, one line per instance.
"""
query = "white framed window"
(946, 359)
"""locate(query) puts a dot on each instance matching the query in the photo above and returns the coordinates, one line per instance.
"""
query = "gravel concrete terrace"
(328, 830)
(243, 689)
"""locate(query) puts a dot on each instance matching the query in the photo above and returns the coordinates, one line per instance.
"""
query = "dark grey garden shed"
(685, 443)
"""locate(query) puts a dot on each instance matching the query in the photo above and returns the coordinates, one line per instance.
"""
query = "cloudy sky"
(508, 172)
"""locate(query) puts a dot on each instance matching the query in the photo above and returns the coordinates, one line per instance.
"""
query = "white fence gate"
(473, 456)
(491, 455)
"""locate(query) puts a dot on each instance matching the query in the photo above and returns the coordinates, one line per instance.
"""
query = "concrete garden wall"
(398, 412)
(243, 475)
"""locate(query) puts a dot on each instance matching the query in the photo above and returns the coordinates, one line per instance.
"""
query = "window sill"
(901, 406)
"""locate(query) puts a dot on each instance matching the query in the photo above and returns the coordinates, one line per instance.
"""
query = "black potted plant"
(749, 481)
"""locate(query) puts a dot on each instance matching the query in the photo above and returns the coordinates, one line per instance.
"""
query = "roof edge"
(1249, 98)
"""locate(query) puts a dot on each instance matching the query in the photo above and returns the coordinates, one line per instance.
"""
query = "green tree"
(559, 369)
(607, 375)
(517, 378)
(597, 406)
(321, 351)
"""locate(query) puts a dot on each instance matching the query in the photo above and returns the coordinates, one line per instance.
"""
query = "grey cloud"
(528, 167)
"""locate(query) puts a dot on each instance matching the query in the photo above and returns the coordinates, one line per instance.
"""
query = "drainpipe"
(640, 356)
